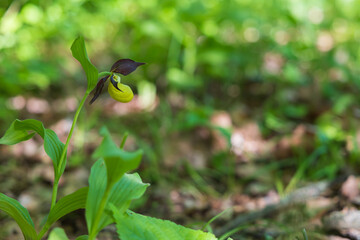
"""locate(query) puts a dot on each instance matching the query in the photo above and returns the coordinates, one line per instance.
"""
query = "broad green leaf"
(15, 210)
(58, 234)
(117, 161)
(133, 226)
(13, 136)
(65, 206)
(129, 187)
(19, 131)
(78, 50)
(97, 186)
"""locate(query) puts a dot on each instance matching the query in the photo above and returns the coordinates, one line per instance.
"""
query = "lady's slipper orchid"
(118, 91)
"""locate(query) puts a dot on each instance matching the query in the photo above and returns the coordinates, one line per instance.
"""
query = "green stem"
(63, 154)
(99, 213)
(54, 193)
(43, 231)
(103, 74)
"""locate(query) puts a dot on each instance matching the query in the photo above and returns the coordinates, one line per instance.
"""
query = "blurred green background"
(236, 97)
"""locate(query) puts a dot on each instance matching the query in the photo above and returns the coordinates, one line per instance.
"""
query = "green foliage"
(117, 161)
(128, 188)
(270, 60)
(97, 183)
(19, 131)
(108, 184)
(78, 50)
(14, 209)
(305, 234)
(58, 234)
(135, 226)
(65, 206)
(215, 217)
(14, 136)
(265, 64)
(117, 192)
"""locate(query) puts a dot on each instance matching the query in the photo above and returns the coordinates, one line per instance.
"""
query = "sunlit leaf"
(78, 50)
(58, 234)
(15, 210)
(23, 130)
(13, 136)
(133, 226)
(129, 187)
(117, 161)
(97, 186)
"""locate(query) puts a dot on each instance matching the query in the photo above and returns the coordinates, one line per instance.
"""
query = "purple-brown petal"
(98, 88)
(125, 66)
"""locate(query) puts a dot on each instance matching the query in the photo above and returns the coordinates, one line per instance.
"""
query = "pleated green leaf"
(129, 187)
(117, 161)
(133, 226)
(78, 50)
(23, 130)
(66, 205)
(97, 187)
(15, 210)
(13, 136)
(58, 234)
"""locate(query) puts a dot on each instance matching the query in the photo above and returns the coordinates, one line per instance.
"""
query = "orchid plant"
(111, 189)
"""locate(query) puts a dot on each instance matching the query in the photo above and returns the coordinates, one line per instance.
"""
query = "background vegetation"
(239, 104)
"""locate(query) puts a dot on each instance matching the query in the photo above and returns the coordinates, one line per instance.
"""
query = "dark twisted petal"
(125, 66)
(114, 83)
(98, 88)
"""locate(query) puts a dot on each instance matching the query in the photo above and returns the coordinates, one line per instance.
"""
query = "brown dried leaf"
(350, 188)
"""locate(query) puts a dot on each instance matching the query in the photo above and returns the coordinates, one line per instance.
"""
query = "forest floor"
(195, 174)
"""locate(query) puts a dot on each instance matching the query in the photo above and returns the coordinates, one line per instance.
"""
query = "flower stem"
(103, 74)
(54, 193)
(63, 154)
